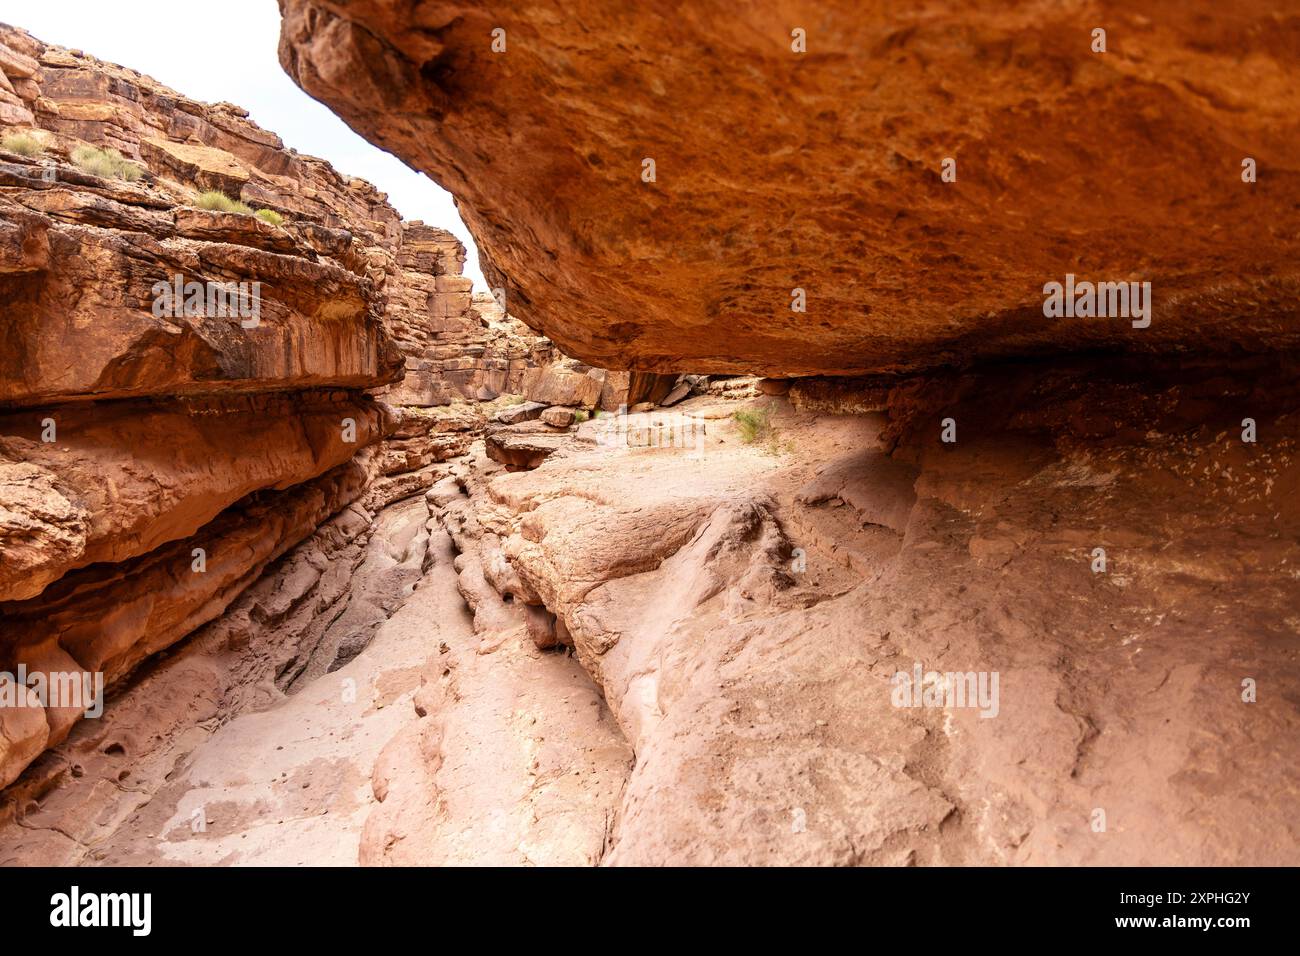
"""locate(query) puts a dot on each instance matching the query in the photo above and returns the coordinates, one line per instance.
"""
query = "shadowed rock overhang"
(776, 170)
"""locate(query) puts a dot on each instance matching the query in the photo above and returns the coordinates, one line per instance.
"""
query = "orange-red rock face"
(743, 589)
(317, 325)
(458, 346)
(777, 170)
(136, 434)
(126, 478)
(93, 250)
(135, 437)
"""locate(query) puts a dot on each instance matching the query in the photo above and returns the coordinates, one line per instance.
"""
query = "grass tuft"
(22, 144)
(219, 202)
(105, 163)
(271, 216)
(753, 423)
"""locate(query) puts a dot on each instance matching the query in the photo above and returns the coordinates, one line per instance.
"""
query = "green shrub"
(220, 202)
(579, 417)
(105, 163)
(271, 216)
(753, 423)
(22, 144)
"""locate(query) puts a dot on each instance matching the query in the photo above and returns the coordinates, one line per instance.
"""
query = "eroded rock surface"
(160, 449)
(155, 459)
(746, 607)
(158, 461)
(384, 729)
(822, 171)
(502, 620)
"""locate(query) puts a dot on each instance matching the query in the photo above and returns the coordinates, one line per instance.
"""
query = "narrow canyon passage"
(287, 780)
(768, 508)
(293, 779)
(677, 640)
(290, 785)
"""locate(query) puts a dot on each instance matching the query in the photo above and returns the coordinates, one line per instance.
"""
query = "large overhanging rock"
(822, 171)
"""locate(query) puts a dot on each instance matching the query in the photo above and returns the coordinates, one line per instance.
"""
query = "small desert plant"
(106, 164)
(271, 216)
(579, 417)
(220, 202)
(753, 423)
(22, 144)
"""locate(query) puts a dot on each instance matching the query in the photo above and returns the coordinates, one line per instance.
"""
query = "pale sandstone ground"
(757, 697)
(205, 761)
(746, 713)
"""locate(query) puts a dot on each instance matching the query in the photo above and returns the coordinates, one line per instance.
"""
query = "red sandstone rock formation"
(688, 625)
(822, 171)
(752, 679)
(133, 432)
(131, 435)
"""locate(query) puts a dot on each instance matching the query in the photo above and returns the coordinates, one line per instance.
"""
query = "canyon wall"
(156, 460)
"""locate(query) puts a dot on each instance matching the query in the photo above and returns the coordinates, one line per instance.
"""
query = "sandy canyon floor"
(670, 645)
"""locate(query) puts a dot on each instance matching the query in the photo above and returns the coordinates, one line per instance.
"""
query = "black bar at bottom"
(382, 907)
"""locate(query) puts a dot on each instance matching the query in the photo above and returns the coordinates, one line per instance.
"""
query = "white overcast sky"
(226, 50)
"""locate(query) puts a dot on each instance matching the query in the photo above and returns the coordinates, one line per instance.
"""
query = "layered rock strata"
(159, 452)
(1038, 613)
(459, 346)
(162, 449)
(382, 729)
